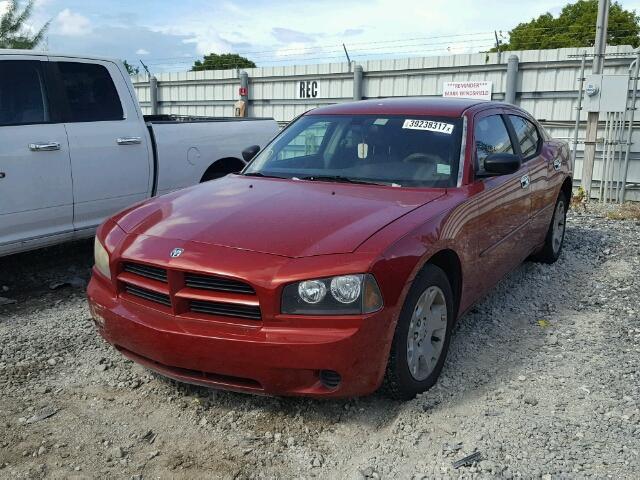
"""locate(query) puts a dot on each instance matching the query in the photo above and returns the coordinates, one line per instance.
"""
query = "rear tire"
(423, 333)
(555, 235)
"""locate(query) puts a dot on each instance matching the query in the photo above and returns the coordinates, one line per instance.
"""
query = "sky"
(169, 35)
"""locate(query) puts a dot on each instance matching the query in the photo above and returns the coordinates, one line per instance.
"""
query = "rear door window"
(491, 136)
(527, 135)
(23, 98)
(90, 91)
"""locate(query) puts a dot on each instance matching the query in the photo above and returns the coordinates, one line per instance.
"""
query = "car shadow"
(27, 277)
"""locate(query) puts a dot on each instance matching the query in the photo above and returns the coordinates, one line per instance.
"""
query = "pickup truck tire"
(426, 316)
(555, 235)
(222, 168)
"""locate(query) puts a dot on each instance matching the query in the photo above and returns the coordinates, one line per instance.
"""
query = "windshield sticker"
(429, 126)
(363, 150)
(381, 121)
(443, 169)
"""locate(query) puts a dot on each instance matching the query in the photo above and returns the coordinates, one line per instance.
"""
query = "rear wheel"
(422, 336)
(555, 235)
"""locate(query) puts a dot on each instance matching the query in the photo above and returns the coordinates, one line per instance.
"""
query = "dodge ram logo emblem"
(176, 252)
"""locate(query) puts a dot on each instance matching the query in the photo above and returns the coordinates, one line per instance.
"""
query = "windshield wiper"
(260, 174)
(339, 178)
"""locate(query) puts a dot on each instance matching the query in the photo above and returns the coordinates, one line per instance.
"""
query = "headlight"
(341, 295)
(101, 258)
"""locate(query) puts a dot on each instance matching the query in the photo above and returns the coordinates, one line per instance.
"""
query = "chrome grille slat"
(154, 273)
(148, 294)
(208, 282)
(226, 309)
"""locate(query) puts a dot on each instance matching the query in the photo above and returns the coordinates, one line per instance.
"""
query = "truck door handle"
(524, 181)
(44, 147)
(129, 140)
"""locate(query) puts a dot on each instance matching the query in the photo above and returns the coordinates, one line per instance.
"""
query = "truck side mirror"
(502, 163)
(250, 152)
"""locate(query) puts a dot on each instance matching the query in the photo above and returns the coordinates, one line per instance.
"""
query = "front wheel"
(555, 235)
(422, 336)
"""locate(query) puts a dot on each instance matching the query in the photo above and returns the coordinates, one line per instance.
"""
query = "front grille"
(148, 294)
(200, 293)
(226, 309)
(218, 284)
(154, 273)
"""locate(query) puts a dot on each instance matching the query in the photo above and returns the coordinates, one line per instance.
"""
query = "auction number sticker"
(428, 125)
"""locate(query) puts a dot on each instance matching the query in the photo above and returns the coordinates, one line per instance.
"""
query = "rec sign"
(476, 90)
(307, 89)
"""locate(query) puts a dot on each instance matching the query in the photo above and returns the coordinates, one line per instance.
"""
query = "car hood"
(290, 218)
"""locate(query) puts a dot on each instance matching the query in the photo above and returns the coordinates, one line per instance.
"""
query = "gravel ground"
(542, 380)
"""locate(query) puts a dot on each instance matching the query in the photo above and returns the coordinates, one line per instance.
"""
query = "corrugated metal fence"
(547, 86)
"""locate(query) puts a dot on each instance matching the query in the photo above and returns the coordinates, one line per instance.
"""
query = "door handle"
(129, 140)
(524, 181)
(44, 147)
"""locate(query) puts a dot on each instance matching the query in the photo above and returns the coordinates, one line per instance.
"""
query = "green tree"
(225, 61)
(131, 69)
(575, 27)
(12, 27)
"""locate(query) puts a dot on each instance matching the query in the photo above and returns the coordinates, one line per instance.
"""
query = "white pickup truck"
(75, 147)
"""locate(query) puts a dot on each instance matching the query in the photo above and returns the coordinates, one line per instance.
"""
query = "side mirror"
(502, 163)
(250, 152)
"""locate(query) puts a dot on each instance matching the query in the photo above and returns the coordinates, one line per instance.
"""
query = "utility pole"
(498, 46)
(600, 47)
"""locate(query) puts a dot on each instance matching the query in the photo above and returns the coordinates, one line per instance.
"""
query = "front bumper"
(279, 357)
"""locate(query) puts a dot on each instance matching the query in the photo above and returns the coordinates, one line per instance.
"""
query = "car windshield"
(403, 151)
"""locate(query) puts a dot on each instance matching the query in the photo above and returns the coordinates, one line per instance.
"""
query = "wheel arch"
(222, 167)
(449, 261)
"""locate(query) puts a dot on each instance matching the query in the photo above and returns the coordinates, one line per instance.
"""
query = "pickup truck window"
(398, 150)
(491, 136)
(22, 93)
(527, 135)
(307, 142)
(90, 91)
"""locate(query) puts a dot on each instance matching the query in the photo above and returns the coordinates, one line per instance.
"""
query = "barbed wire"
(385, 48)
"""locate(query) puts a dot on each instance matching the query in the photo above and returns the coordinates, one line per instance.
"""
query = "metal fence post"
(244, 84)
(512, 79)
(357, 82)
(576, 128)
(153, 95)
(244, 91)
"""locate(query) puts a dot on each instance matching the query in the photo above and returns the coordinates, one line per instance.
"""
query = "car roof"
(437, 106)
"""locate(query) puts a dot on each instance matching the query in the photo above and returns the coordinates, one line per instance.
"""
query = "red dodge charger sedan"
(340, 258)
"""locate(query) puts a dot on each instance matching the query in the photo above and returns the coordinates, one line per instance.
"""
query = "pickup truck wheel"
(422, 336)
(555, 235)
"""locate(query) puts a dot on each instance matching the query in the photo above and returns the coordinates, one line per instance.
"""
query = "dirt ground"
(542, 380)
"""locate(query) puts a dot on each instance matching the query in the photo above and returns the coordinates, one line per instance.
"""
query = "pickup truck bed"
(189, 150)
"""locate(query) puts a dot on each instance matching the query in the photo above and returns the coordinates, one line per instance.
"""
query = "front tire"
(555, 235)
(422, 336)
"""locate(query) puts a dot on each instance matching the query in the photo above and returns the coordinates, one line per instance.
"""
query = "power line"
(469, 44)
(470, 41)
(350, 44)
